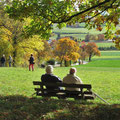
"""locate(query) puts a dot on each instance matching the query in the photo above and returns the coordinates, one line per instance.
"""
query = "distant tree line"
(99, 37)
(107, 48)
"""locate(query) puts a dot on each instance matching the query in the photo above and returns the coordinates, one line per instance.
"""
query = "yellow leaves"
(67, 49)
(74, 56)
(5, 34)
(67, 44)
(117, 42)
(34, 43)
(28, 46)
(46, 53)
(118, 32)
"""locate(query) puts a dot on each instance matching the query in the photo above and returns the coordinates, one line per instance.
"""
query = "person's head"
(49, 69)
(72, 70)
(3, 55)
(31, 54)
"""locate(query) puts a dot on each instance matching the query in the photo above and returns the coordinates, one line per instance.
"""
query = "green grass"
(105, 44)
(16, 89)
(19, 81)
(16, 101)
(79, 33)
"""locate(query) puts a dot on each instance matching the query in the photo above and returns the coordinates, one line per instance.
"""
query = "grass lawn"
(16, 89)
(105, 44)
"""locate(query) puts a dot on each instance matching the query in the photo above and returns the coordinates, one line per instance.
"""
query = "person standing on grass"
(3, 60)
(71, 78)
(50, 78)
(10, 61)
(31, 62)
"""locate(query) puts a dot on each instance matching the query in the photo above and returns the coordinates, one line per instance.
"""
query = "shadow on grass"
(24, 108)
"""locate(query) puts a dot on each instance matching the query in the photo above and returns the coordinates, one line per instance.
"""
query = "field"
(103, 73)
(105, 44)
(79, 33)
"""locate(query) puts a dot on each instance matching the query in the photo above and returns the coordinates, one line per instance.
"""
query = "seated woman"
(48, 77)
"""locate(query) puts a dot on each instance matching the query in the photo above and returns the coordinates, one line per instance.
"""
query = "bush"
(107, 48)
(51, 62)
(42, 66)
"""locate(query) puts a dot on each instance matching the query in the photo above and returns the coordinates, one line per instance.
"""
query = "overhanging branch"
(93, 7)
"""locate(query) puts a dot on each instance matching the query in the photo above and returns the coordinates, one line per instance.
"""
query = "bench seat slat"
(63, 91)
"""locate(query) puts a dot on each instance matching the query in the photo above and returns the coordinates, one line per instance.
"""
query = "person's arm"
(57, 79)
(79, 81)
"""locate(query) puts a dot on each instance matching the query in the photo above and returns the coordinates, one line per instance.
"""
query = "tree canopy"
(46, 12)
(66, 50)
(13, 43)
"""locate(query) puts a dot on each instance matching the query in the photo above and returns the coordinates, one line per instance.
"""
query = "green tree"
(24, 49)
(44, 13)
(10, 32)
(12, 42)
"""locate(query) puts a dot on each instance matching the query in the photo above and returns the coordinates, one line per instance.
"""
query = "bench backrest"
(88, 86)
(42, 88)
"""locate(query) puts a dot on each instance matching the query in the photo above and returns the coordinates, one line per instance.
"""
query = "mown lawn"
(17, 102)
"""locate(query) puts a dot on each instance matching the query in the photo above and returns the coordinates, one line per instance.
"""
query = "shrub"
(107, 48)
(51, 62)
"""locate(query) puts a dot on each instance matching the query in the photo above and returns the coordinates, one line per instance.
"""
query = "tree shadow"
(17, 107)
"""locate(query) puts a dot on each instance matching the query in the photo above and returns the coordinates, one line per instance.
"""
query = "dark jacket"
(3, 60)
(31, 60)
(50, 78)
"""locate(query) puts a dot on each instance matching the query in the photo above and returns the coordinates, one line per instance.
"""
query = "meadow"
(78, 33)
(103, 73)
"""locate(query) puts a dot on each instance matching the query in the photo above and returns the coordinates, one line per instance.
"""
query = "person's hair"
(49, 69)
(31, 54)
(72, 70)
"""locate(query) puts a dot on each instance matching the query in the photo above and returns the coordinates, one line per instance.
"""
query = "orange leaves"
(92, 48)
(99, 28)
(67, 49)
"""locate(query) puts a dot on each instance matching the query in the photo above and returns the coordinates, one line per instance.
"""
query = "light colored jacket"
(72, 79)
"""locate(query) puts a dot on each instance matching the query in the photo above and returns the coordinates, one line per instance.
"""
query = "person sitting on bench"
(48, 77)
(71, 78)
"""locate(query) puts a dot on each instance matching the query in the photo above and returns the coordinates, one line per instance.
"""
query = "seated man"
(48, 77)
(71, 78)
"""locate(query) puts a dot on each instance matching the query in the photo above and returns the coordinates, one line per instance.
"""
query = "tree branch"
(93, 7)
(99, 12)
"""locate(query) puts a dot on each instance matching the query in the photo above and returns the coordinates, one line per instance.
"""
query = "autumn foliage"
(92, 50)
(66, 50)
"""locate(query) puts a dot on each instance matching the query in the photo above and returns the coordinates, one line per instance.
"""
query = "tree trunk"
(90, 57)
(79, 62)
(65, 62)
(61, 63)
(70, 62)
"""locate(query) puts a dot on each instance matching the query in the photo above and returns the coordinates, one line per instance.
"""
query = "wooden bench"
(84, 94)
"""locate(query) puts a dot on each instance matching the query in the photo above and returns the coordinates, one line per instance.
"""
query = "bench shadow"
(18, 107)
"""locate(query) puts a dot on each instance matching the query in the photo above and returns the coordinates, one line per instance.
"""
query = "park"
(101, 68)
